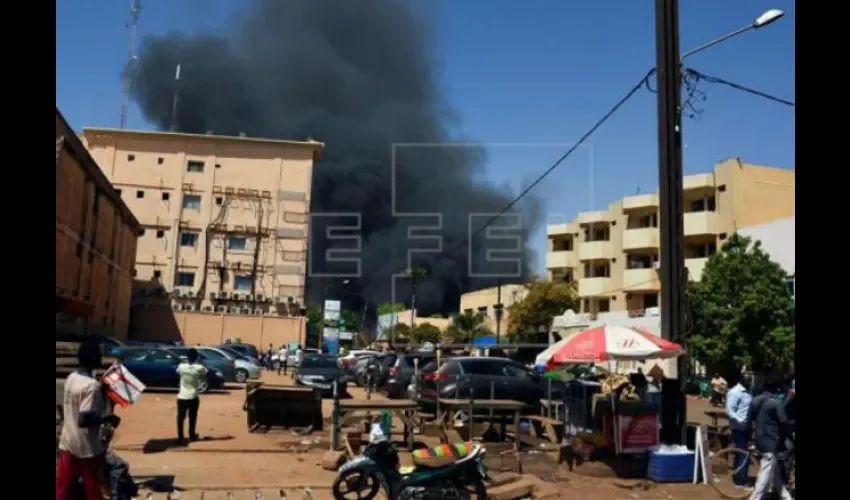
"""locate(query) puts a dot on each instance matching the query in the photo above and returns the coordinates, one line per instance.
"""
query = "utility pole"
(175, 101)
(669, 71)
(497, 310)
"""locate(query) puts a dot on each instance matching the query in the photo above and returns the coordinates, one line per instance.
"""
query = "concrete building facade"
(613, 254)
(225, 219)
(484, 300)
(96, 236)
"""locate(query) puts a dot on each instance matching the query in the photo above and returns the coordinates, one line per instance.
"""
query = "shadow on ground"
(158, 445)
(156, 484)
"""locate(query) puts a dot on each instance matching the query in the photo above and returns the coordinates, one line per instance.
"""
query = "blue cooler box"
(671, 468)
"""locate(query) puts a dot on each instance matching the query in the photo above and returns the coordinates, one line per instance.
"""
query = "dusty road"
(231, 460)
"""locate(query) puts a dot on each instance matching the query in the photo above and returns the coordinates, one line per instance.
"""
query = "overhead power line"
(697, 75)
(643, 82)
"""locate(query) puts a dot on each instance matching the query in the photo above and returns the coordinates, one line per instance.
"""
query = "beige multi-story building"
(613, 254)
(224, 218)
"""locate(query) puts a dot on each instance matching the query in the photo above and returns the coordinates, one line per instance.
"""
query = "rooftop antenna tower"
(132, 60)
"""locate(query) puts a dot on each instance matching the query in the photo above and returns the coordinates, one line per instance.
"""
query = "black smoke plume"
(360, 76)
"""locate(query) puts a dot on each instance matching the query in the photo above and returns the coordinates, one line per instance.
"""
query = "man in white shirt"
(299, 355)
(191, 373)
(82, 453)
(282, 359)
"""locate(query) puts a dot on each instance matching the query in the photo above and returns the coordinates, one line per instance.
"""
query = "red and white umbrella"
(611, 342)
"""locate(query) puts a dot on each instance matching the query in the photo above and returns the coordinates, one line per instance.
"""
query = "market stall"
(625, 417)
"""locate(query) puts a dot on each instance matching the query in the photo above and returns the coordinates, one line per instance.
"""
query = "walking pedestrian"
(191, 373)
(283, 359)
(269, 353)
(737, 409)
(299, 355)
(82, 453)
(767, 412)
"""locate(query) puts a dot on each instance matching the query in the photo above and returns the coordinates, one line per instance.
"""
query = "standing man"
(81, 451)
(299, 355)
(269, 357)
(737, 409)
(190, 372)
(283, 359)
(771, 431)
(718, 389)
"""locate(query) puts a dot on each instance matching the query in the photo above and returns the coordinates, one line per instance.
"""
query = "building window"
(237, 243)
(218, 165)
(243, 283)
(166, 196)
(192, 201)
(188, 239)
(219, 200)
(185, 279)
(160, 233)
(140, 194)
(157, 275)
(131, 157)
(160, 160)
(195, 166)
(142, 232)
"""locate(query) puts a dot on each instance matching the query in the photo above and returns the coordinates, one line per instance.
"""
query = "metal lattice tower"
(132, 59)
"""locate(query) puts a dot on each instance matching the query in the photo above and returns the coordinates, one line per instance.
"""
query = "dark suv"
(400, 374)
(485, 378)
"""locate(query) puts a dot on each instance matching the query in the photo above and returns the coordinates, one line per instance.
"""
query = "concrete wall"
(95, 240)
(193, 328)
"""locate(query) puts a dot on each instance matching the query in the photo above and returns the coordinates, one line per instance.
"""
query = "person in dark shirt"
(767, 413)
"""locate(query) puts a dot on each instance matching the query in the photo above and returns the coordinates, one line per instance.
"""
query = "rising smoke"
(359, 76)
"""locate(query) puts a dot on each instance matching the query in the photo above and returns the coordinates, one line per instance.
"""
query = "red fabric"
(93, 472)
(587, 345)
(664, 344)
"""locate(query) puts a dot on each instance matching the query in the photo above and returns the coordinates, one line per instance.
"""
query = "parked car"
(380, 368)
(400, 374)
(321, 370)
(248, 350)
(485, 378)
(359, 369)
(351, 357)
(109, 346)
(212, 360)
(243, 369)
(238, 355)
(158, 368)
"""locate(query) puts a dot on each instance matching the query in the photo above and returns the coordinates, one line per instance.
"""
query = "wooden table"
(551, 408)
(499, 406)
(716, 429)
(346, 409)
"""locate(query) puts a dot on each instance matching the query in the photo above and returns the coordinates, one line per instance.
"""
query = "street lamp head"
(345, 282)
(768, 17)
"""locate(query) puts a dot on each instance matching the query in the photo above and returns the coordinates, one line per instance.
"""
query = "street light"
(768, 17)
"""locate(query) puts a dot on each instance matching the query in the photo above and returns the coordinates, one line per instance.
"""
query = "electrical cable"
(697, 75)
(643, 82)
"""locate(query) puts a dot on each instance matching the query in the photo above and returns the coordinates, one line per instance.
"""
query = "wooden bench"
(552, 429)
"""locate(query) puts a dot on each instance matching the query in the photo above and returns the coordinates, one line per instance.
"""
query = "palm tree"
(467, 326)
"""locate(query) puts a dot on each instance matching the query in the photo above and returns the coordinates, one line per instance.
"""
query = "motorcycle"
(377, 469)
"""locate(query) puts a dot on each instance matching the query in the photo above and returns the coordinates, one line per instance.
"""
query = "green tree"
(314, 316)
(425, 332)
(352, 322)
(466, 326)
(543, 301)
(741, 312)
(388, 308)
(402, 333)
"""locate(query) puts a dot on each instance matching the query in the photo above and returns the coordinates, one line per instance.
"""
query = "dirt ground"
(229, 458)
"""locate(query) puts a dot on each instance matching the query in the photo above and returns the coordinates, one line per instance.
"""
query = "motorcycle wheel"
(366, 485)
(472, 490)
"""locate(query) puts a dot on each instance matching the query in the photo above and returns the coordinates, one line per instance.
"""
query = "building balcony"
(561, 230)
(700, 223)
(561, 259)
(641, 201)
(592, 287)
(641, 280)
(636, 239)
(698, 181)
(596, 250)
(695, 267)
(593, 217)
